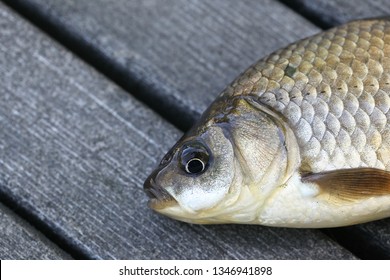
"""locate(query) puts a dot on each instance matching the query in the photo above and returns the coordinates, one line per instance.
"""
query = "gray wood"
(335, 12)
(20, 241)
(368, 241)
(75, 150)
(193, 49)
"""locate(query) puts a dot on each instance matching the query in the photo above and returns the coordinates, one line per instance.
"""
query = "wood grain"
(75, 149)
(192, 49)
(21, 241)
(334, 12)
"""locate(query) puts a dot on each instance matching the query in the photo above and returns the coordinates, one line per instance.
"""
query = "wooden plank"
(334, 12)
(191, 49)
(75, 150)
(368, 241)
(20, 241)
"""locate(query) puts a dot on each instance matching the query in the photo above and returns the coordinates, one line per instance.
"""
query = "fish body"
(300, 139)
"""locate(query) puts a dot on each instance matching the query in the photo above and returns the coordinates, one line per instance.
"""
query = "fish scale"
(333, 89)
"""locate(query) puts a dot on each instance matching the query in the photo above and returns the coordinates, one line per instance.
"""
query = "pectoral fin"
(352, 184)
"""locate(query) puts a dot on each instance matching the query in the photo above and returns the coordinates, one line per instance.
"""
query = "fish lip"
(158, 197)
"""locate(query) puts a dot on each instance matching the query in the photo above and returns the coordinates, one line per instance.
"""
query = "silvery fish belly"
(300, 139)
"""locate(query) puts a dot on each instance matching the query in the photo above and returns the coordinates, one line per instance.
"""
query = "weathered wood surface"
(75, 150)
(192, 49)
(187, 52)
(21, 241)
(333, 12)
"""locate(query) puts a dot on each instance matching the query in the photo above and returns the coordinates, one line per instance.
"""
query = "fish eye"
(195, 166)
(194, 158)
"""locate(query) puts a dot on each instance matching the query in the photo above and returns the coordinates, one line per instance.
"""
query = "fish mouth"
(159, 198)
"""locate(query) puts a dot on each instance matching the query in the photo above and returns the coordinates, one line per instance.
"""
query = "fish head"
(225, 167)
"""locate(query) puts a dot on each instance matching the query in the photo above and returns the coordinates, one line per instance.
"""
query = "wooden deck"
(93, 93)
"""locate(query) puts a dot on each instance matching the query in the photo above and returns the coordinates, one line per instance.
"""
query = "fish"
(300, 139)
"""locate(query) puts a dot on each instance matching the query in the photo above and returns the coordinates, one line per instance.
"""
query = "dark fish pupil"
(194, 158)
(195, 166)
